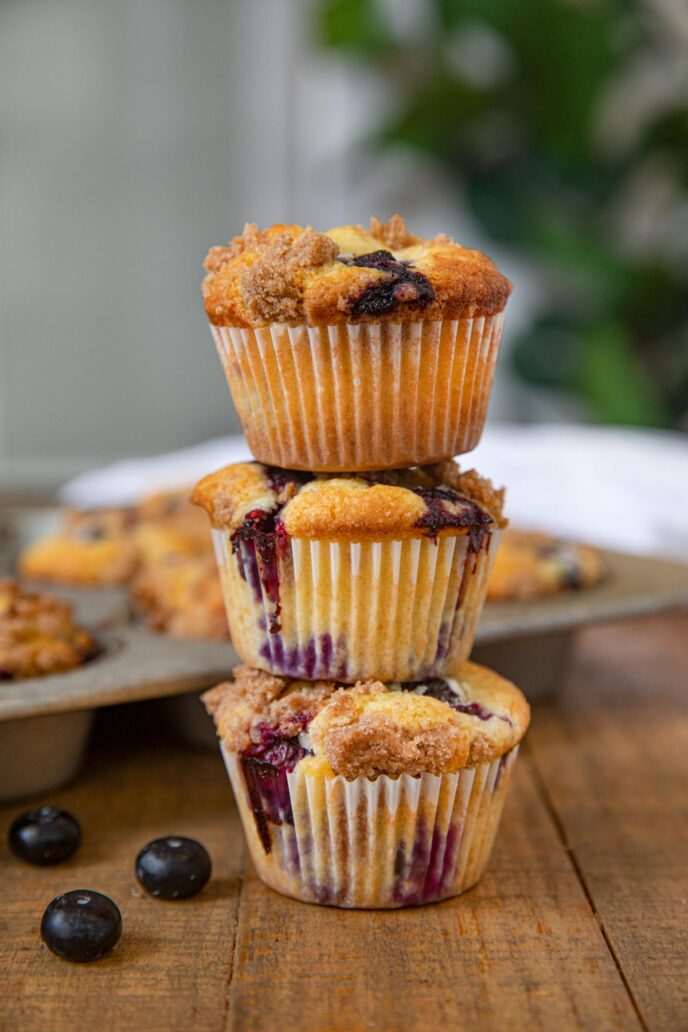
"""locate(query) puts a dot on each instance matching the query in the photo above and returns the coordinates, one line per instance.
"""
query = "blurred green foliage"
(509, 96)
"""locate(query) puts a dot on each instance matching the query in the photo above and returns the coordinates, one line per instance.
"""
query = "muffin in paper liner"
(394, 610)
(361, 396)
(355, 349)
(379, 844)
(380, 575)
(373, 795)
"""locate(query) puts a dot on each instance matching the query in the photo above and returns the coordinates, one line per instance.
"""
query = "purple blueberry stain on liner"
(261, 539)
(266, 764)
(317, 658)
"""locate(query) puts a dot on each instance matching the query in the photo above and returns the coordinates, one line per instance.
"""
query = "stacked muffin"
(369, 759)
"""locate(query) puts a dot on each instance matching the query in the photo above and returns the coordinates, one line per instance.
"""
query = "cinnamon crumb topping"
(272, 286)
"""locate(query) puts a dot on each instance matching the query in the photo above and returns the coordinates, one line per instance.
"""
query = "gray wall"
(117, 168)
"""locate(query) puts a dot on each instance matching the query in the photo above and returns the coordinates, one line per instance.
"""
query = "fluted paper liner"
(391, 610)
(391, 842)
(361, 396)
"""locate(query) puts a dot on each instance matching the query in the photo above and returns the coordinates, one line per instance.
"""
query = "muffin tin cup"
(348, 611)
(377, 844)
(39, 754)
(361, 396)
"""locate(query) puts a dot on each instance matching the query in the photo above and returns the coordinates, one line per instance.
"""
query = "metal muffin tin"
(45, 722)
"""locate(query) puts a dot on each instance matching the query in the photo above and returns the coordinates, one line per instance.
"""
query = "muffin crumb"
(393, 233)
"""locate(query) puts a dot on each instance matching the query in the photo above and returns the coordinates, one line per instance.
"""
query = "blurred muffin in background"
(176, 589)
(108, 546)
(181, 597)
(530, 564)
(38, 635)
(92, 547)
(184, 534)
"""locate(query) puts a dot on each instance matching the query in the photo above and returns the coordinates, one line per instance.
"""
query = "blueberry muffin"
(372, 795)
(181, 597)
(355, 349)
(38, 635)
(171, 538)
(92, 547)
(160, 505)
(374, 575)
(533, 565)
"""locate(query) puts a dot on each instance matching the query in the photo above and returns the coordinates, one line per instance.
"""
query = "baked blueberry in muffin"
(310, 326)
(352, 576)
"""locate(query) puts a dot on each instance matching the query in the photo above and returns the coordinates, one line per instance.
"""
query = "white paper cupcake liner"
(390, 610)
(383, 843)
(361, 396)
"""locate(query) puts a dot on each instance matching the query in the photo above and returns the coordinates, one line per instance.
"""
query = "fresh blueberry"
(81, 925)
(45, 836)
(173, 867)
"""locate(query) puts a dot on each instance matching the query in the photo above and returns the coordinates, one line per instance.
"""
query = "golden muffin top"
(294, 274)
(364, 730)
(249, 498)
(38, 635)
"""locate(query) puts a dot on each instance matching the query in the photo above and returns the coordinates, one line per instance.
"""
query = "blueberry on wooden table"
(44, 836)
(173, 867)
(81, 925)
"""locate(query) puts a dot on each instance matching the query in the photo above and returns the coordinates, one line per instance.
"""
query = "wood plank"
(171, 968)
(613, 760)
(522, 950)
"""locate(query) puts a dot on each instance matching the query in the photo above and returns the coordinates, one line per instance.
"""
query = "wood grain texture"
(172, 965)
(613, 763)
(521, 950)
(578, 923)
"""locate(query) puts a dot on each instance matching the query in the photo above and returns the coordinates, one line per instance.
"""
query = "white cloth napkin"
(617, 488)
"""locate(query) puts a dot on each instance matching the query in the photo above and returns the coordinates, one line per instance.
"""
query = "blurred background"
(551, 133)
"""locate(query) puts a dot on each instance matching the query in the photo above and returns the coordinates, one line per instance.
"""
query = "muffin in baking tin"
(181, 597)
(530, 564)
(355, 349)
(108, 546)
(372, 795)
(91, 547)
(38, 635)
(375, 575)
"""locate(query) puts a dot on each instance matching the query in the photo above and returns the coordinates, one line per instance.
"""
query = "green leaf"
(497, 13)
(438, 116)
(613, 382)
(356, 26)
(547, 355)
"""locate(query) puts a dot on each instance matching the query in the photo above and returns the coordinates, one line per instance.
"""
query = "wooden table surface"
(579, 923)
